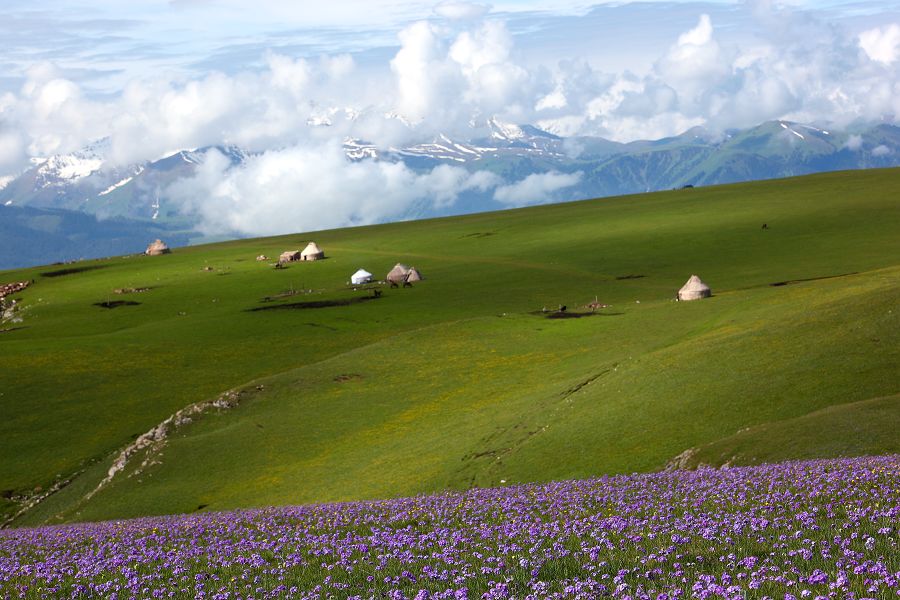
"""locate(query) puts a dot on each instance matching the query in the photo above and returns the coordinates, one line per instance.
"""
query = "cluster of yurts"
(399, 274)
(694, 289)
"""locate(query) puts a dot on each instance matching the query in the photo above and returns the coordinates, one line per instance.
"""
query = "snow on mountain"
(357, 149)
(57, 170)
(125, 181)
(61, 168)
(504, 131)
(82, 181)
(788, 128)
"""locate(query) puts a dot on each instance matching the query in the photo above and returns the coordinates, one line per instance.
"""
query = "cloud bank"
(305, 188)
(537, 188)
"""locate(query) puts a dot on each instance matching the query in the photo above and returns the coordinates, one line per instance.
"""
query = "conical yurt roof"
(694, 289)
(414, 275)
(312, 249)
(398, 273)
(694, 284)
(361, 276)
(157, 247)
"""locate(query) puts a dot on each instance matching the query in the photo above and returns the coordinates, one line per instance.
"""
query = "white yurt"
(360, 277)
(312, 252)
(157, 248)
(397, 274)
(414, 275)
(694, 289)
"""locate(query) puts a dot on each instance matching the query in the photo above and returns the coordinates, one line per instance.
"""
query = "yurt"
(312, 252)
(398, 273)
(414, 275)
(694, 289)
(361, 276)
(156, 248)
(289, 256)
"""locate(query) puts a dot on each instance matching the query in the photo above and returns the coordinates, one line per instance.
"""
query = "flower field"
(820, 529)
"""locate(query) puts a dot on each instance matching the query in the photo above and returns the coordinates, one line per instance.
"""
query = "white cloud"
(537, 188)
(303, 188)
(881, 150)
(12, 150)
(854, 142)
(460, 11)
(882, 44)
(555, 99)
(699, 35)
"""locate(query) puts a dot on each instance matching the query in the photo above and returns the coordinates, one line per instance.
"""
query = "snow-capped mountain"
(503, 140)
(88, 183)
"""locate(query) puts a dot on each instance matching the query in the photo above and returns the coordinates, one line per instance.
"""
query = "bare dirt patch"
(792, 281)
(555, 314)
(347, 377)
(70, 271)
(315, 304)
(116, 303)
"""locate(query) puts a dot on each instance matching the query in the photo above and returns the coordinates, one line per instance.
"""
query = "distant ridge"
(87, 182)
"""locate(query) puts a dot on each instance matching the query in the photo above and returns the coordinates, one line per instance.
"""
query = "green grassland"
(462, 380)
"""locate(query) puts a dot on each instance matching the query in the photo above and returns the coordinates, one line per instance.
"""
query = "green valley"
(308, 390)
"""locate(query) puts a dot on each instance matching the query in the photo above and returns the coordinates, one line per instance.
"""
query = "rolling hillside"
(302, 389)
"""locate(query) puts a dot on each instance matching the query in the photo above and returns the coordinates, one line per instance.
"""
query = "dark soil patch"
(792, 281)
(116, 303)
(479, 234)
(347, 377)
(287, 294)
(70, 271)
(623, 277)
(139, 290)
(315, 304)
(555, 314)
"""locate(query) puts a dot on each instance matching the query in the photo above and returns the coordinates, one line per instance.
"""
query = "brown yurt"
(694, 289)
(289, 256)
(414, 275)
(397, 274)
(312, 252)
(156, 248)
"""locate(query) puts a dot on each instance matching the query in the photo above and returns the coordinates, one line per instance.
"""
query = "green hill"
(323, 394)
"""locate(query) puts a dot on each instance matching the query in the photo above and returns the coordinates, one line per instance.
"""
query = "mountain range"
(134, 198)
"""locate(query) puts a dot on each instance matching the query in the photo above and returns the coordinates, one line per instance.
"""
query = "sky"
(292, 80)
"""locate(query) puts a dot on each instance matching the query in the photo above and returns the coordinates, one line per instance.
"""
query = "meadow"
(462, 380)
(822, 529)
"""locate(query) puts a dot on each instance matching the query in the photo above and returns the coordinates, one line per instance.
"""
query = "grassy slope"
(867, 427)
(444, 390)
